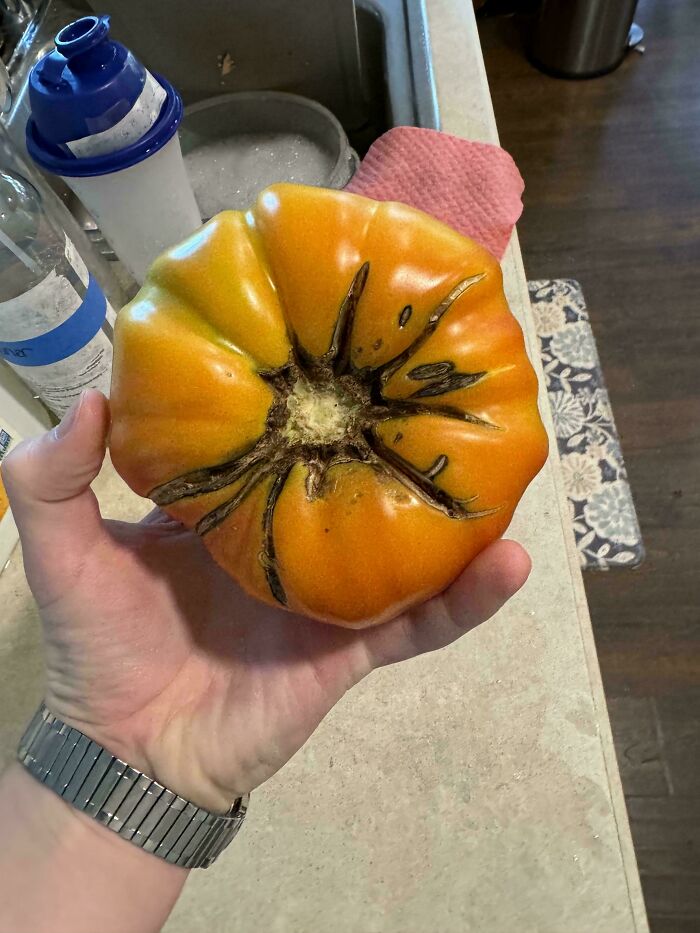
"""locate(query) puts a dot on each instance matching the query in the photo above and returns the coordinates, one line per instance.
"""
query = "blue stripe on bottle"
(66, 339)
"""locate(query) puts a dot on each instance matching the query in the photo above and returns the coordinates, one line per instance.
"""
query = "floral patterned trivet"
(600, 500)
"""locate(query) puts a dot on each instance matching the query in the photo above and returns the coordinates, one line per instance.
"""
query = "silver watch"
(124, 799)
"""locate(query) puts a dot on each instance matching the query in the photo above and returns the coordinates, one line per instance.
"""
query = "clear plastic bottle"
(55, 322)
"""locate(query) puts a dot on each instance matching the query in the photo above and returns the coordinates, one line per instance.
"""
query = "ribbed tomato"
(333, 392)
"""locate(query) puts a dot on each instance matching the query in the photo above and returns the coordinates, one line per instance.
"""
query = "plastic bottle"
(108, 127)
(55, 322)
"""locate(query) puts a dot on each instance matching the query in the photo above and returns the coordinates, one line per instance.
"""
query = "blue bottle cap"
(86, 85)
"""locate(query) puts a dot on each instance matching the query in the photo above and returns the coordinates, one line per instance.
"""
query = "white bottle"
(108, 127)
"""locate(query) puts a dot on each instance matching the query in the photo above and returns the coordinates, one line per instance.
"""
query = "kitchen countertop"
(475, 789)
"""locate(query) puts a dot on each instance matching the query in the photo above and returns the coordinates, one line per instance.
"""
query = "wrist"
(53, 823)
(166, 758)
(61, 870)
(122, 798)
(162, 746)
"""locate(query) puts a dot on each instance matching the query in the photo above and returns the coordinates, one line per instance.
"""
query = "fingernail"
(69, 419)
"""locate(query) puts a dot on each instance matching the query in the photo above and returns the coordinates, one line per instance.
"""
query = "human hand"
(152, 651)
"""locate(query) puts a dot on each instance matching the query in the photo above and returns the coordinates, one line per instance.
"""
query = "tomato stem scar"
(325, 412)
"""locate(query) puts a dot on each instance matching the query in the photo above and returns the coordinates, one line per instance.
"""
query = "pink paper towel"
(474, 188)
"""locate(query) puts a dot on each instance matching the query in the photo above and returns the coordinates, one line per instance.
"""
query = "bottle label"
(66, 339)
(138, 121)
(65, 345)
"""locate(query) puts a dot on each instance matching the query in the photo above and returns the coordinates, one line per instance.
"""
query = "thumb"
(48, 481)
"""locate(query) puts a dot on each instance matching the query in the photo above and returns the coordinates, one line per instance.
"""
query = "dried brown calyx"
(325, 413)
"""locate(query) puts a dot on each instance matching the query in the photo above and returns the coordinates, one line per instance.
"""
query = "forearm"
(61, 872)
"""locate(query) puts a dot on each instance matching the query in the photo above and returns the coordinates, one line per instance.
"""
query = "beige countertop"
(475, 789)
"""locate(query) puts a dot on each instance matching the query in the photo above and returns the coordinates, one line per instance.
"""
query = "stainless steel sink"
(367, 60)
(386, 82)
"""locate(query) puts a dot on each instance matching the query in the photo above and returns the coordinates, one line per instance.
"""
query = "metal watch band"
(123, 799)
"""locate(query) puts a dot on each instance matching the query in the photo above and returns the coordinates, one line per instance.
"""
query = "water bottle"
(108, 127)
(55, 322)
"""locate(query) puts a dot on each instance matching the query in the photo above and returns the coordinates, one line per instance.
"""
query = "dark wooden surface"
(612, 198)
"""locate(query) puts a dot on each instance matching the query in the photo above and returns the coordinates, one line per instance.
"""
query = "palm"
(179, 654)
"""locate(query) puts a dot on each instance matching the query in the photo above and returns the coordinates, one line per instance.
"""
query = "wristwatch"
(124, 799)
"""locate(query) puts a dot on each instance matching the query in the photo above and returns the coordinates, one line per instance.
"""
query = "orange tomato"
(333, 392)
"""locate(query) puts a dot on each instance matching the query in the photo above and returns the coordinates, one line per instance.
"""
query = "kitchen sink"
(368, 61)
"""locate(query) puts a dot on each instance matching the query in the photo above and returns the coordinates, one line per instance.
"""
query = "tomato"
(332, 392)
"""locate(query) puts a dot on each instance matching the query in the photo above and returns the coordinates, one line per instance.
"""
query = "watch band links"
(123, 799)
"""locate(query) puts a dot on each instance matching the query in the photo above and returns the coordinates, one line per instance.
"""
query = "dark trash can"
(581, 38)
